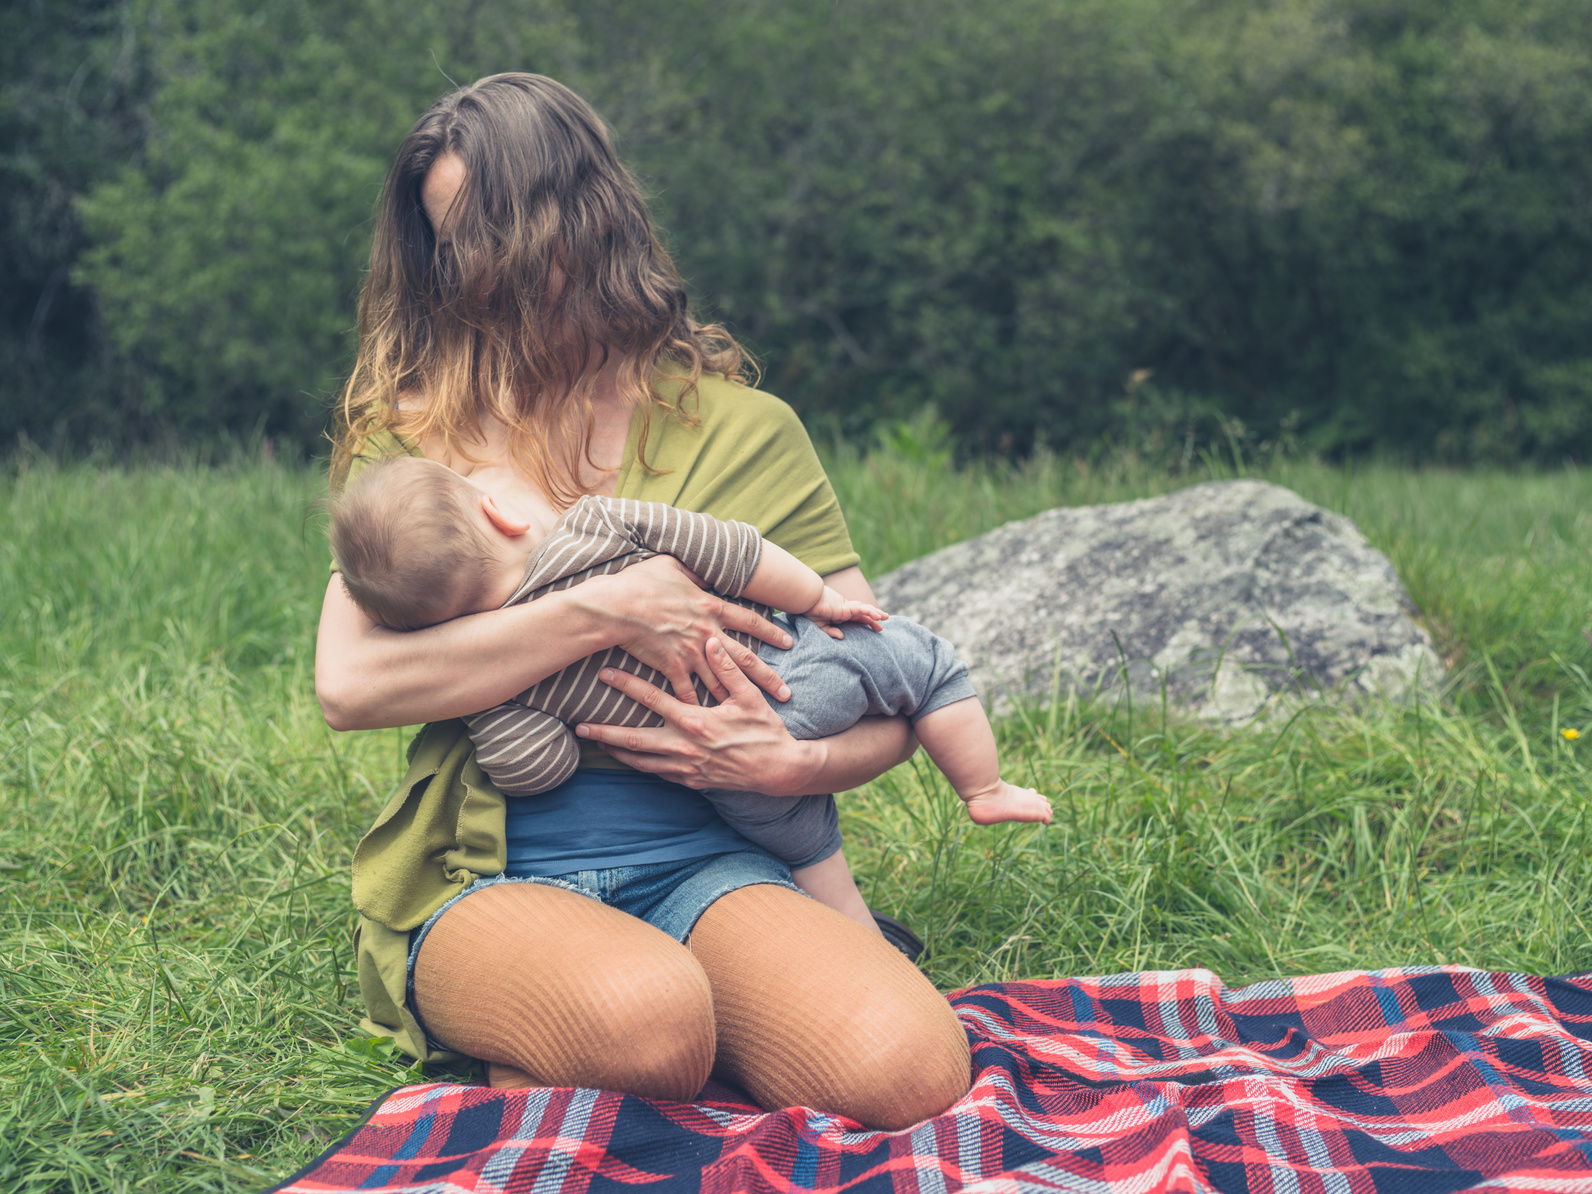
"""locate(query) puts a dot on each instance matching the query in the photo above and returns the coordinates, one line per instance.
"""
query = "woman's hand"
(741, 744)
(667, 620)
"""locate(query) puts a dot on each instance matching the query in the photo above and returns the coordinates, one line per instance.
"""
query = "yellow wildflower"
(1569, 735)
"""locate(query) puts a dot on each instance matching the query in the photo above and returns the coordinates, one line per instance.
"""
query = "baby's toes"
(1036, 807)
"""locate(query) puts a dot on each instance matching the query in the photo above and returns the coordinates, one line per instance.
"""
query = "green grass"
(178, 1002)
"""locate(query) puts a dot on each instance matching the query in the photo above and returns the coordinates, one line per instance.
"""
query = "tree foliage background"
(1365, 223)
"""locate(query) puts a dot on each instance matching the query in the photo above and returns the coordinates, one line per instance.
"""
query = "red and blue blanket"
(1415, 1081)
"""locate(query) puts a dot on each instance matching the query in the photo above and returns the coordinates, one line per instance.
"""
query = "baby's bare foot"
(1007, 802)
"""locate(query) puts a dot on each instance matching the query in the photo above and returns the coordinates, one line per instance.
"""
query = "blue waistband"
(601, 818)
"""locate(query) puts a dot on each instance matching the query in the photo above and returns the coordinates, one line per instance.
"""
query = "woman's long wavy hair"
(551, 270)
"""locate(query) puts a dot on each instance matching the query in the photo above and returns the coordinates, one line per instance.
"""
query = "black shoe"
(898, 935)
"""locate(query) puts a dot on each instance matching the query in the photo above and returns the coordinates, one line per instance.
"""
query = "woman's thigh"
(571, 992)
(812, 1009)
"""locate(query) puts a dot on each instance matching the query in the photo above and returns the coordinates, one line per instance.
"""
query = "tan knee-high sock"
(569, 992)
(812, 1009)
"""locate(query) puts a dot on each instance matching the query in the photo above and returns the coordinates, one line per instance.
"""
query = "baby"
(417, 544)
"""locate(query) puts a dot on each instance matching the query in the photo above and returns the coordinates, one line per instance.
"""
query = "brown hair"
(408, 545)
(476, 325)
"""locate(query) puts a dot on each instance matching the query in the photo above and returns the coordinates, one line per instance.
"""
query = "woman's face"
(438, 191)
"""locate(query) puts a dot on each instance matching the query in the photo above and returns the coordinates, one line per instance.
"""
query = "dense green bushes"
(1363, 221)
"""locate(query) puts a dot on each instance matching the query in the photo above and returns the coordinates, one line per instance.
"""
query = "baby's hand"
(832, 608)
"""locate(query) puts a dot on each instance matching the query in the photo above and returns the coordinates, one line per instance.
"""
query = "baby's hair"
(409, 547)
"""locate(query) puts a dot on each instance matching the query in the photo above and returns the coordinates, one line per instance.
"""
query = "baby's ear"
(512, 527)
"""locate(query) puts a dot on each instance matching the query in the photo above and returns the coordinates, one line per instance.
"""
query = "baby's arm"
(783, 581)
(522, 751)
(734, 560)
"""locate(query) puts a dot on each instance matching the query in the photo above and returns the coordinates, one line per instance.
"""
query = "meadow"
(177, 1004)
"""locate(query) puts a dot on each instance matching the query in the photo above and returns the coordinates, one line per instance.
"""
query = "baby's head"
(413, 543)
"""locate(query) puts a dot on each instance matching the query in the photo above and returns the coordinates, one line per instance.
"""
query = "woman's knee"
(659, 1047)
(648, 1025)
(904, 1060)
(570, 992)
(893, 1054)
(815, 1010)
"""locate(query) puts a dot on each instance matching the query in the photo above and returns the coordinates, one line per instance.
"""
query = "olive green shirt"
(748, 458)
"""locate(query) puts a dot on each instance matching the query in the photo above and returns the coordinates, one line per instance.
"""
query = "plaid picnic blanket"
(1427, 1080)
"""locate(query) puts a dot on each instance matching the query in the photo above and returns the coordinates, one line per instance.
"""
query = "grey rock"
(1238, 599)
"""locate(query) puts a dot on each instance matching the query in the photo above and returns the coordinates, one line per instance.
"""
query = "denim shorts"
(671, 896)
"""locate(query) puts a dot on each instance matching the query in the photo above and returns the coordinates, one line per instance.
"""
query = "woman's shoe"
(898, 935)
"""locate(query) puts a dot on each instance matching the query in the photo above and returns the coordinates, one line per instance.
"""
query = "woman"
(522, 325)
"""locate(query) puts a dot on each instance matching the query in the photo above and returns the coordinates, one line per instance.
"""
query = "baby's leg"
(958, 738)
(804, 833)
(830, 882)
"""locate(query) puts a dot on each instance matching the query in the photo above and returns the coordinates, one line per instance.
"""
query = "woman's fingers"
(703, 670)
(671, 618)
(740, 744)
(665, 751)
(685, 770)
(729, 672)
(640, 691)
(651, 741)
(679, 678)
(652, 764)
(745, 665)
(738, 617)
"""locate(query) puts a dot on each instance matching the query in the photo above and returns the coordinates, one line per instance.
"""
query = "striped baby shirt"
(526, 745)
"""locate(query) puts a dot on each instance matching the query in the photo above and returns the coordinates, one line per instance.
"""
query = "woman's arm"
(369, 677)
(862, 754)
